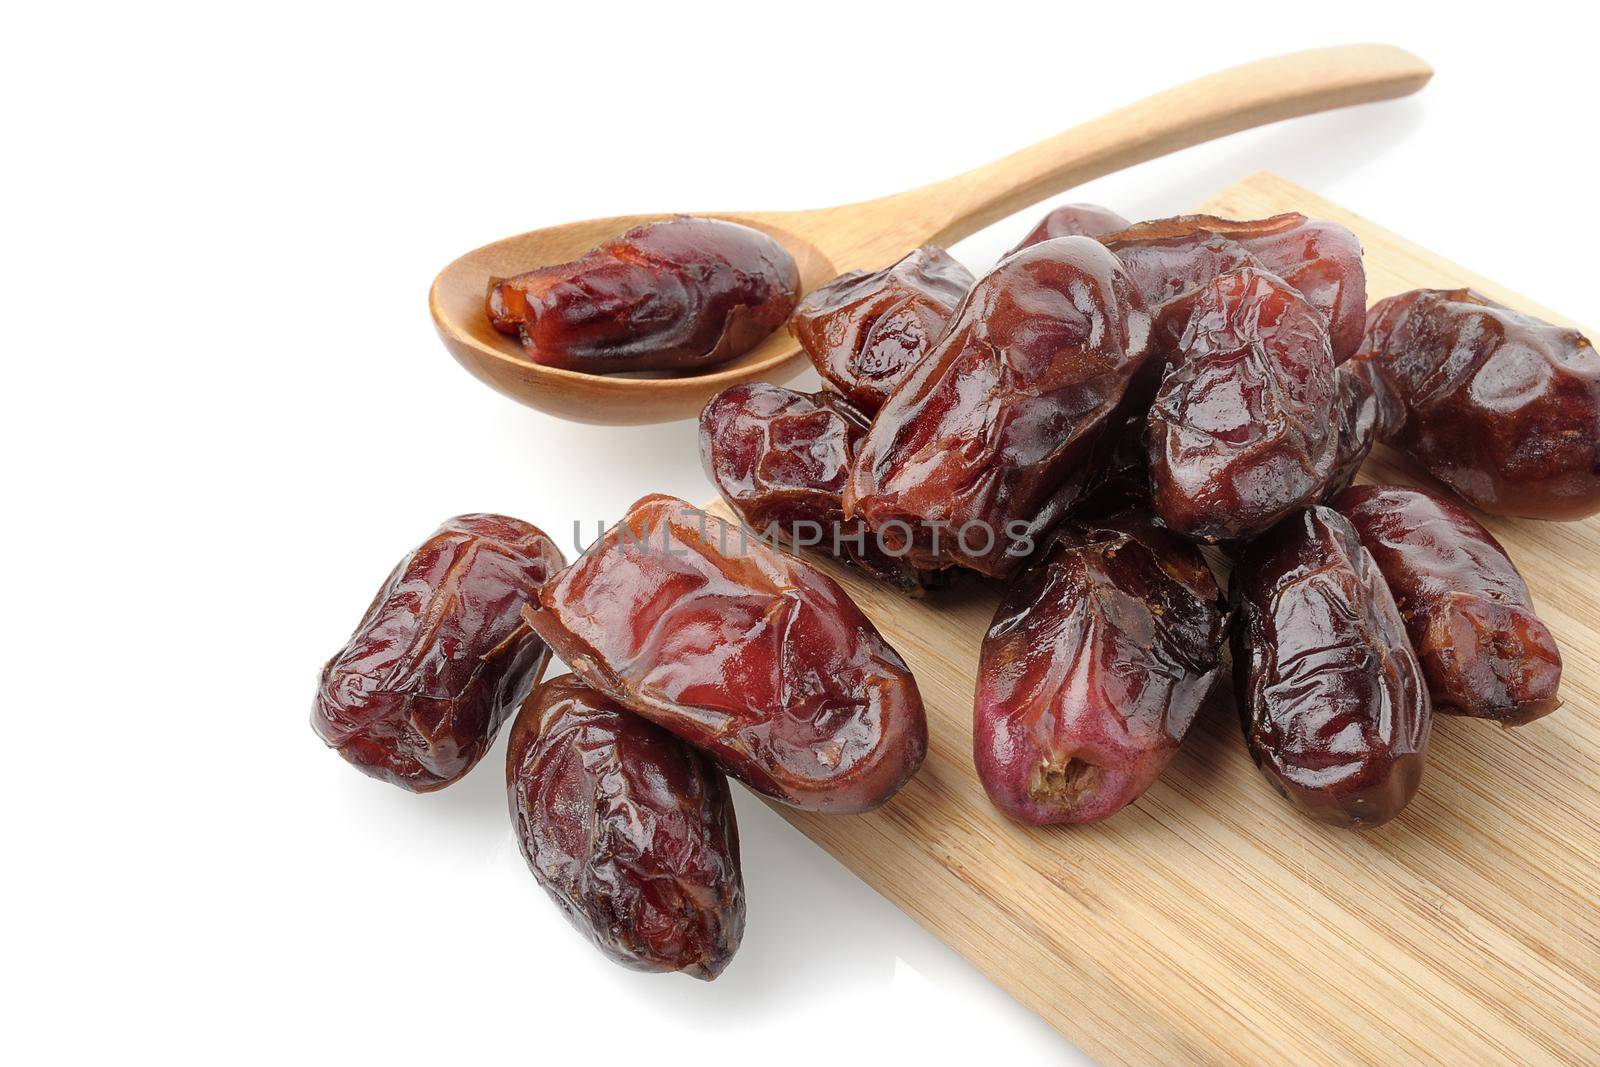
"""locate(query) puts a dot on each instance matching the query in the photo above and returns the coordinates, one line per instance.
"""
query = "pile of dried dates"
(1076, 425)
(1112, 397)
(696, 652)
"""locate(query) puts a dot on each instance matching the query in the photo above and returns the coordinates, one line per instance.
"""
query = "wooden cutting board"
(1208, 921)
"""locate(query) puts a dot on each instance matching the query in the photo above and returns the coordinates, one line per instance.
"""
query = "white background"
(226, 415)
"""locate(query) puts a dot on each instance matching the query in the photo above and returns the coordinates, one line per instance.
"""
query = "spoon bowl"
(869, 235)
(629, 397)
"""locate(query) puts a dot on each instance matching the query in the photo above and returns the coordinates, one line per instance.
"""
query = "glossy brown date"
(1331, 695)
(780, 459)
(1240, 435)
(630, 831)
(1499, 406)
(1001, 428)
(1484, 652)
(1073, 220)
(1358, 415)
(1171, 259)
(442, 657)
(864, 332)
(1098, 659)
(673, 295)
(754, 657)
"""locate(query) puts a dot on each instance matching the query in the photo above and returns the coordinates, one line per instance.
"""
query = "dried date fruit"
(442, 657)
(1359, 415)
(864, 332)
(1170, 259)
(781, 459)
(680, 294)
(1001, 428)
(1239, 435)
(1499, 406)
(630, 831)
(754, 657)
(1099, 657)
(1484, 652)
(1073, 220)
(1331, 695)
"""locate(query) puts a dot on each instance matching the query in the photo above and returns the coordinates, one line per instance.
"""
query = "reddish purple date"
(781, 459)
(1073, 220)
(1331, 695)
(864, 332)
(1099, 657)
(1483, 650)
(1240, 434)
(442, 657)
(630, 831)
(680, 294)
(1001, 428)
(1171, 259)
(1499, 406)
(754, 657)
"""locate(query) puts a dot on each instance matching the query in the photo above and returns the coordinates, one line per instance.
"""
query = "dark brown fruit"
(1002, 427)
(864, 332)
(442, 656)
(1483, 650)
(1073, 220)
(628, 829)
(1334, 707)
(680, 294)
(1499, 406)
(757, 659)
(1240, 434)
(1099, 657)
(781, 460)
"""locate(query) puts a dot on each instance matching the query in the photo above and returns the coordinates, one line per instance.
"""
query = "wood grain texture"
(1209, 922)
(874, 233)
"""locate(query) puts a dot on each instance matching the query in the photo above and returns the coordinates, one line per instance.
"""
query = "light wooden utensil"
(1209, 922)
(874, 233)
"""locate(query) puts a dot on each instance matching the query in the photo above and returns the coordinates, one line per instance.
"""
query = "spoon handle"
(1254, 94)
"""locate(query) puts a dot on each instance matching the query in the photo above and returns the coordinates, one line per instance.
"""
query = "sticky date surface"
(747, 653)
(1484, 651)
(1073, 220)
(442, 657)
(630, 831)
(1098, 659)
(1000, 429)
(672, 295)
(1332, 698)
(1171, 259)
(1499, 406)
(865, 331)
(1241, 432)
(1359, 416)
(781, 458)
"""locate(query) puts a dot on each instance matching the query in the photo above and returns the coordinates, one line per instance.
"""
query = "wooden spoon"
(871, 234)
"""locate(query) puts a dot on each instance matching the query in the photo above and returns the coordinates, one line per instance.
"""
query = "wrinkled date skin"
(1073, 220)
(1001, 428)
(864, 332)
(1240, 433)
(1499, 406)
(680, 294)
(781, 459)
(1172, 259)
(1484, 652)
(1358, 415)
(1098, 660)
(752, 656)
(1332, 698)
(629, 830)
(442, 657)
